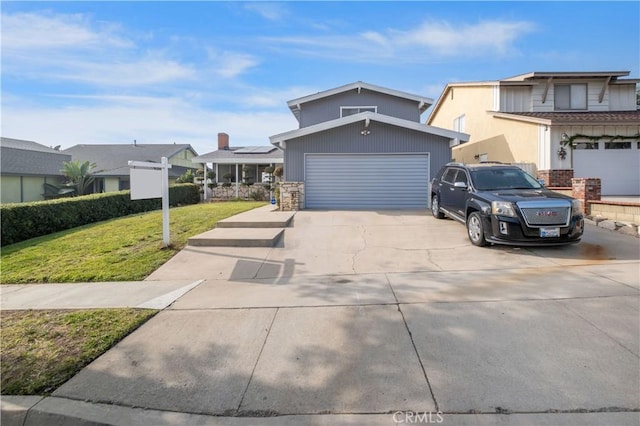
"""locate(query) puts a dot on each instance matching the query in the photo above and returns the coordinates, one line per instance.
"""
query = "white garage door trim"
(367, 181)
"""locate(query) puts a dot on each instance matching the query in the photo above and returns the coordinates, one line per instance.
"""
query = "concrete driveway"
(356, 316)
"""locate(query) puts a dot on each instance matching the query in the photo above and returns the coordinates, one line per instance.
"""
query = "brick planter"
(586, 190)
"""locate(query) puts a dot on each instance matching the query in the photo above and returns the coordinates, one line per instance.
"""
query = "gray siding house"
(112, 172)
(361, 146)
(26, 167)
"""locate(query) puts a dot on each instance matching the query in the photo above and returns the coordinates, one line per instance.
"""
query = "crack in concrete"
(363, 231)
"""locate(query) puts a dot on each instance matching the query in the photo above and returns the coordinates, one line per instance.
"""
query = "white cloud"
(268, 10)
(121, 119)
(72, 48)
(29, 31)
(231, 64)
(443, 38)
(422, 44)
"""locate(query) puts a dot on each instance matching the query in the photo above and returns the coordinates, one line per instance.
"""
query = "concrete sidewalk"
(370, 317)
(136, 294)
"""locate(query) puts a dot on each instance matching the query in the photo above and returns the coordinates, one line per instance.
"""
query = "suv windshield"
(503, 178)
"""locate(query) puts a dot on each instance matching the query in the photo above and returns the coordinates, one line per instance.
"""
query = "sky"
(181, 72)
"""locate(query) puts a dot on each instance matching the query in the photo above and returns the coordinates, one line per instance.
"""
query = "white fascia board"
(364, 116)
(570, 74)
(295, 103)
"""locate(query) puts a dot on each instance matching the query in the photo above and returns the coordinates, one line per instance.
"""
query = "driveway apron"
(377, 312)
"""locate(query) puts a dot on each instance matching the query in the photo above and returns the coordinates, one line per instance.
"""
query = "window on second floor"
(459, 123)
(570, 96)
(351, 110)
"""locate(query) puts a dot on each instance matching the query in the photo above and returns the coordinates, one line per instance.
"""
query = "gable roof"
(113, 159)
(533, 78)
(260, 155)
(365, 116)
(28, 158)
(26, 145)
(295, 104)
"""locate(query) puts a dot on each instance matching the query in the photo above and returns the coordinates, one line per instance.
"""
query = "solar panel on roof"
(255, 150)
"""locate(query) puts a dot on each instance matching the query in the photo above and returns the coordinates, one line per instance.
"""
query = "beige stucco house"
(587, 122)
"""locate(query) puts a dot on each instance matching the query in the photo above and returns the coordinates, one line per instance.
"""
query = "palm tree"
(78, 175)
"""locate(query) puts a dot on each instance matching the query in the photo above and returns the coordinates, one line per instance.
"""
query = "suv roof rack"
(455, 163)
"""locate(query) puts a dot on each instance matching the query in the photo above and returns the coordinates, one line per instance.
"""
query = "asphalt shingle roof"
(113, 159)
(587, 117)
(27, 158)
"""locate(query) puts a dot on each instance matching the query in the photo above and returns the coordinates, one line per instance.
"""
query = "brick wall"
(556, 178)
(586, 190)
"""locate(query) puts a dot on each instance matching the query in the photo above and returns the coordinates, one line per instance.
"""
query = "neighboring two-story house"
(580, 124)
(361, 146)
(26, 167)
(112, 161)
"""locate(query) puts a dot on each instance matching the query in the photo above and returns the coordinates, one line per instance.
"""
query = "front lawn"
(123, 249)
(40, 350)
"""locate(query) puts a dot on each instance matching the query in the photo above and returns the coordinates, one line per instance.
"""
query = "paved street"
(358, 315)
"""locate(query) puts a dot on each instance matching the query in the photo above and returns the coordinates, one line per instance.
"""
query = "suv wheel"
(435, 208)
(475, 229)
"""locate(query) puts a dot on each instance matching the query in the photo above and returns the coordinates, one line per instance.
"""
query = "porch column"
(204, 181)
(217, 173)
(237, 182)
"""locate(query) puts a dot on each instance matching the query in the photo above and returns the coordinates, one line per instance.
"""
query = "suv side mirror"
(541, 182)
(460, 185)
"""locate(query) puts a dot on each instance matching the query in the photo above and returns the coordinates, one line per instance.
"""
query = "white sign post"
(151, 180)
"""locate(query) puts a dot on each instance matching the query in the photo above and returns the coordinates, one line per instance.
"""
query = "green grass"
(40, 350)
(123, 249)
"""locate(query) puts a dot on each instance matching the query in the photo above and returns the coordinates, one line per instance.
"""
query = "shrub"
(29, 220)
(257, 195)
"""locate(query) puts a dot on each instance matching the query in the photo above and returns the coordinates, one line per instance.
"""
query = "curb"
(45, 411)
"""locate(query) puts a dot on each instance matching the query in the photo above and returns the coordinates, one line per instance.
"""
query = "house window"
(226, 170)
(570, 96)
(346, 111)
(459, 123)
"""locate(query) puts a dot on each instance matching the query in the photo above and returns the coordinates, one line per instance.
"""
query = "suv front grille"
(546, 214)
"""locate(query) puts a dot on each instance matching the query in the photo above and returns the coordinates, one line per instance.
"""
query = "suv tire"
(435, 208)
(475, 230)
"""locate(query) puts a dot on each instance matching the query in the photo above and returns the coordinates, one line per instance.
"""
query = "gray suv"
(502, 204)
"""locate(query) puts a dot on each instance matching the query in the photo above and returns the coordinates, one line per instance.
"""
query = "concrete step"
(237, 237)
(262, 217)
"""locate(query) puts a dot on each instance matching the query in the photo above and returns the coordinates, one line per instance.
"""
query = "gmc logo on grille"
(547, 214)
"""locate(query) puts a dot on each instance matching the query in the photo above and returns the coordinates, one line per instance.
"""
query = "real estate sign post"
(151, 180)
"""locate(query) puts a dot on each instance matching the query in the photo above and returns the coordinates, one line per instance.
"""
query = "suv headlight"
(576, 207)
(502, 208)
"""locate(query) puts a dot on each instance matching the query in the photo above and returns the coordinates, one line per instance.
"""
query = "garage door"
(616, 168)
(367, 181)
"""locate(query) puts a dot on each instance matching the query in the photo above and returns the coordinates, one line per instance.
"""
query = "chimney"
(223, 141)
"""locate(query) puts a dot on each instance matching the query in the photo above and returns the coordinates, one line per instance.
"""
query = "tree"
(78, 175)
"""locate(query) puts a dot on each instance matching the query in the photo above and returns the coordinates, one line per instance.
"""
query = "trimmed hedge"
(29, 220)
